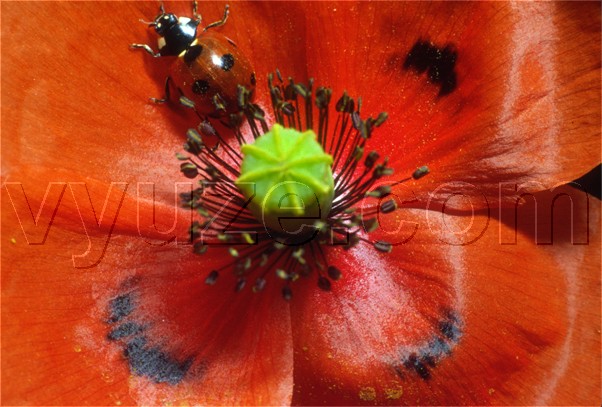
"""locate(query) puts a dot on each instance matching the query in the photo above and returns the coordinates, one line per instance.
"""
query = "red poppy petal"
(526, 106)
(489, 322)
(187, 341)
(211, 348)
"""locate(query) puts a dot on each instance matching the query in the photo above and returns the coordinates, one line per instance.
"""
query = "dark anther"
(358, 153)
(259, 284)
(189, 170)
(356, 120)
(364, 129)
(184, 101)
(206, 128)
(342, 102)
(218, 102)
(382, 170)
(253, 79)
(212, 278)
(290, 92)
(383, 246)
(323, 96)
(258, 112)
(381, 192)
(240, 284)
(243, 96)
(301, 90)
(287, 293)
(288, 109)
(388, 206)
(420, 172)
(235, 120)
(334, 273)
(384, 191)
(194, 144)
(304, 270)
(324, 283)
(382, 117)
(345, 104)
(200, 248)
(371, 159)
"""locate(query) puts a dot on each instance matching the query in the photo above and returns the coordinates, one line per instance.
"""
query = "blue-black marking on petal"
(124, 330)
(120, 307)
(439, 62)
(153, 363)
(440, 345)
(143, 359)
(418, 365)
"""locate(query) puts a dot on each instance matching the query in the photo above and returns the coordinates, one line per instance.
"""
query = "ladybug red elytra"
(209, 67)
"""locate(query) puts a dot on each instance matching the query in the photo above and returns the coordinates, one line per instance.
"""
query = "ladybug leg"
(146, 48)
(220, 22)
(165, 98)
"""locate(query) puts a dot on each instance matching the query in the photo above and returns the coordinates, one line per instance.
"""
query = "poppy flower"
(490, 294)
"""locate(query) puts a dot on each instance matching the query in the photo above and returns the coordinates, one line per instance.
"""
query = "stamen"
(265, 254)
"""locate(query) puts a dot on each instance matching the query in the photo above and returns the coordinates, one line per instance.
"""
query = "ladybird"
(209, 66)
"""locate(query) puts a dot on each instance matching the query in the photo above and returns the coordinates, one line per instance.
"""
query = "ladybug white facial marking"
(209, 66)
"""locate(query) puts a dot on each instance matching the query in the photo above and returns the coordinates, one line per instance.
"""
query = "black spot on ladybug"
(200, 87)
(439, 62)
(192, 54)
(253, 79)
(227, 62)
(154, 363)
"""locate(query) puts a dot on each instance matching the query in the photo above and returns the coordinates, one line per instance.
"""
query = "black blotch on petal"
(439, 62)
(200, 87)
(120, 307)
(253, 79)
(192, 54)
(227, 62)
(153, 363)
(438, 346)
(125, 330)
(449, 330)
(413, 362)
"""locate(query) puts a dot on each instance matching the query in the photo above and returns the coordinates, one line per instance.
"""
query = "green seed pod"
(288, 176)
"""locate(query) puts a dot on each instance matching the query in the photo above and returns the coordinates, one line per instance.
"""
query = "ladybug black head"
(164, 22)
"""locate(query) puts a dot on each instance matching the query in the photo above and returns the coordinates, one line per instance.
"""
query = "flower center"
(287, 177)
(296, 189)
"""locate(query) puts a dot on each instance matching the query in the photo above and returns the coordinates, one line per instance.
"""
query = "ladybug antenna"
(149, 23)
(154, 23)
(220, 22)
